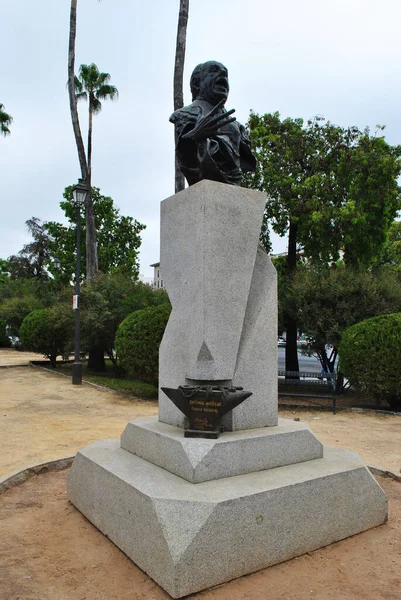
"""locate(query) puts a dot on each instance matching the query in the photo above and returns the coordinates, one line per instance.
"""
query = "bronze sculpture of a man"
(210, 143)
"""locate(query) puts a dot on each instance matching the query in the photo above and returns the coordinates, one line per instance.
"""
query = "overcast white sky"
(337, 58)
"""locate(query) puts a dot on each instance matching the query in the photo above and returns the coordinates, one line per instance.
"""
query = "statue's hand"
(209, 125)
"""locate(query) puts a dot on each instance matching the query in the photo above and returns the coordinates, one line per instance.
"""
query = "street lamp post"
(79, 193)
(57, 267)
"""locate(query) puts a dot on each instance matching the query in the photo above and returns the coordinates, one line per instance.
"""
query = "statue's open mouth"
(221, 84)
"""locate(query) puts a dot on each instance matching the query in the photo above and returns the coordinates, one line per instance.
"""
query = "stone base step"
(233, 453)
(189, 537)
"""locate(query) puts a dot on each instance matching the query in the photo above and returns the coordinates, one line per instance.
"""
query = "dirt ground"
(376, 437)
(11, 358)
(49, 551)
(43, 417)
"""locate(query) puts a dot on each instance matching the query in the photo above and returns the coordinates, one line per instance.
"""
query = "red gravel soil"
(49, 551)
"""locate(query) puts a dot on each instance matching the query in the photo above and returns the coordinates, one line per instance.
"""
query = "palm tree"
(71, 91)
(5, 121)
(179, 75)
(95, 86)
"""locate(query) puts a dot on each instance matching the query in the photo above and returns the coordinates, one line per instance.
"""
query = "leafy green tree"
(392, 249)
(329, 188)
(328, 300)
(43, 289)
(93, 86)
(118, 237)
(5, 121)
(4, 271)
(14, 310)
(105, 303)
(30, 262)
(22, 293)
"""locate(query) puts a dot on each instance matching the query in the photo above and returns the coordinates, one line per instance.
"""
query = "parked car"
(280, 341)
(302, 341)
(14, 340)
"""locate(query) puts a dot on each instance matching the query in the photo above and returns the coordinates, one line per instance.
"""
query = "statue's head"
(209, 81)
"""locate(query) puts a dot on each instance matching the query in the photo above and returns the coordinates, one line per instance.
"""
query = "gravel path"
(43, 417)
(49, 551)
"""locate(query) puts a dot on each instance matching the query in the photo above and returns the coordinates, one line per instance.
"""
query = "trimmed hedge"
(370, 357)
(47, 331)
(138, 339)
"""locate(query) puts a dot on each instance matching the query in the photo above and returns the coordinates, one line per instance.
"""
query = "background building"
(157, 277)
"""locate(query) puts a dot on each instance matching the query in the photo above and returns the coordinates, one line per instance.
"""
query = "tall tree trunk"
(291, 349)
(91, 247)
(92, 265)
(71, 91)
(90, 124)
(96, 360)
(96, 355)
(179, 76)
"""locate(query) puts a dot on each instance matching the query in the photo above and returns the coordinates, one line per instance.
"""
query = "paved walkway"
(9, 357)
(43, 417)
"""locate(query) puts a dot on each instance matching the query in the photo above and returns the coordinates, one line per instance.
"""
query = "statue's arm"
(208, 126)
(197, 142)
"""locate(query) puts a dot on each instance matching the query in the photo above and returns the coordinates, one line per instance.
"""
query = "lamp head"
(80, 192)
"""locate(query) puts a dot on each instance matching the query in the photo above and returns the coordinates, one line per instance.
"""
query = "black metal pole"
(77, 365)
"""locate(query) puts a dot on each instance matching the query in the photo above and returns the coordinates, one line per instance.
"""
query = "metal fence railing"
(308, 381)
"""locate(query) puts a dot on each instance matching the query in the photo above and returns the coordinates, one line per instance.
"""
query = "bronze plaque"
(205, 406)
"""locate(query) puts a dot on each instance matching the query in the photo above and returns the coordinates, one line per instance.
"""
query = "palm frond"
(95, 85)
(107, 92)
(4, 130)
(78, 84)
(5, 117)
(96, 106)
(81, 96)
(89, 75)
(5, 120)
(103, 78)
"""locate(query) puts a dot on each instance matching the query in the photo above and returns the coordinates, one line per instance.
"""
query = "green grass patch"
(134, 387)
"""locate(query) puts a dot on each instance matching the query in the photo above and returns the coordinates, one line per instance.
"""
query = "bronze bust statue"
(210, 143)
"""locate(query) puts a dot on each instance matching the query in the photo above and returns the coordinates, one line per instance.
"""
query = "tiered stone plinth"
(190, 536)
(193, 513)
(234, 453)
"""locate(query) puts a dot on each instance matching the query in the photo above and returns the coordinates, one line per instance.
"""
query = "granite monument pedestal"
(193, 513)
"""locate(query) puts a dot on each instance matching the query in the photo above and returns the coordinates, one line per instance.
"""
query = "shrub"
(105, 302)
(47, 331)
(370, 357)
(14, 310)
(138, 339)
(4, 339)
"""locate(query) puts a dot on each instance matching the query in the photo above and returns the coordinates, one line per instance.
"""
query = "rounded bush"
(46, 331)
(138, 339)
(370, 357)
